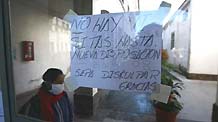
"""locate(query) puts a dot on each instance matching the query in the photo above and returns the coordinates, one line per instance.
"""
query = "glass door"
(37, 40)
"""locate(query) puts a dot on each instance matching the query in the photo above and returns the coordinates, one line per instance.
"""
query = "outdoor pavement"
(198, 98)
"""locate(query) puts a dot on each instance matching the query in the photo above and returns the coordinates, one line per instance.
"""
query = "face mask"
(57, 89)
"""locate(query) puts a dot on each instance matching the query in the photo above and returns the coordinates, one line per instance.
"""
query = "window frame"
(6, 72)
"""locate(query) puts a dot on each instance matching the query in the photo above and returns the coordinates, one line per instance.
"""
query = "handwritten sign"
(116, 51)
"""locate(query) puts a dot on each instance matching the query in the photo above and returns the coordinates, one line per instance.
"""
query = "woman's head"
(54, 76)
(54, 80)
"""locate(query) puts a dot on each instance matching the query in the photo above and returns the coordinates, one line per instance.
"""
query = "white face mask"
(57, 89)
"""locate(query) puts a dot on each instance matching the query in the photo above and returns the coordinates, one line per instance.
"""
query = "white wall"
(204, 39)
(180, 54)
(31, 22)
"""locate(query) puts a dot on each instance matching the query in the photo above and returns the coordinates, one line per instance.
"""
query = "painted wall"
(51, 38)
(180, 25)
(204, 39)
(200, 54)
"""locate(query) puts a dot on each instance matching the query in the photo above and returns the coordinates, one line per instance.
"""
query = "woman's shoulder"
(31, 107)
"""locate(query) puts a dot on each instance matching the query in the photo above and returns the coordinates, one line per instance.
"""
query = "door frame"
(6, 66)
(3, 76)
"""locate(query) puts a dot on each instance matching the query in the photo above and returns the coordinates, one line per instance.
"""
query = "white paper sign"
(116, 51)
(162, 95)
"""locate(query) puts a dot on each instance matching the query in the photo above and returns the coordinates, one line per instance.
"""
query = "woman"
(51, 103)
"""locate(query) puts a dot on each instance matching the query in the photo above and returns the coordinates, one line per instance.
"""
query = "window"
(185, 15)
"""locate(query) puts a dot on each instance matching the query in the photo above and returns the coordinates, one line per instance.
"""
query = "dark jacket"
(62, 109)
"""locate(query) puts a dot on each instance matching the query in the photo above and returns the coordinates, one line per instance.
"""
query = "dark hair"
(51, 74)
